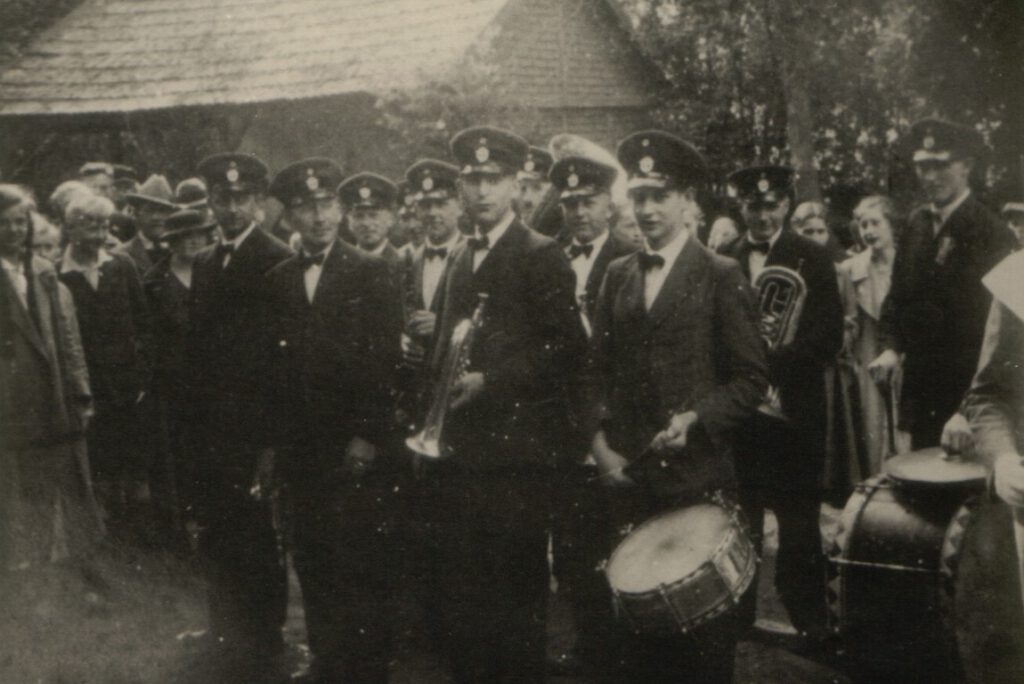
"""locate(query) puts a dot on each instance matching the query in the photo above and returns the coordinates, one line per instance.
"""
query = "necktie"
(307, 261)
(576, 250)
(479, 243)
(761, 247)
(436, 253)
(648, 261)
(223, 251)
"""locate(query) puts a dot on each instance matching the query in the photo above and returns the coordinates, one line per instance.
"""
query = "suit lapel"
(21, 318)
(677, 283)
(334, 267)
(417, 280)
(633, 292)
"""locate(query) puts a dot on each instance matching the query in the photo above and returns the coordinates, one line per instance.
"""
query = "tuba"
(781, 293)
(427, 442)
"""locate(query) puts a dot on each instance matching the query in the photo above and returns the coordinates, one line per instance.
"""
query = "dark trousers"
(248, 588)
(344, 548)
(780, 468)
(482, 569)
(579, 533)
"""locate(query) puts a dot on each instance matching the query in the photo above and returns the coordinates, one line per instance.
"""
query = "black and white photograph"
(511, 341)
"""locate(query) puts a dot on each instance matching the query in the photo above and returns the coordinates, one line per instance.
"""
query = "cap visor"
(640, 182)
(931, 155)
(490, 168)
(132, 198)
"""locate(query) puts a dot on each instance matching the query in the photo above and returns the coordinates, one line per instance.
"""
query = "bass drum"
(923, 585)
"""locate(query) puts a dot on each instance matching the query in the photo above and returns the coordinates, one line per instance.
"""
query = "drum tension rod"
(885, 566)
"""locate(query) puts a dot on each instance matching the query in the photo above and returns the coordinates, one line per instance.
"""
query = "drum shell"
(686, 604)
(907, 572)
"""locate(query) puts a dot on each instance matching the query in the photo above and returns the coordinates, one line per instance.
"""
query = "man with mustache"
(934, 316)
(335, 321)
(248, 587)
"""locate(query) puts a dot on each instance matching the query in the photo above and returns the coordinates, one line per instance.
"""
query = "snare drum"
(680, 570)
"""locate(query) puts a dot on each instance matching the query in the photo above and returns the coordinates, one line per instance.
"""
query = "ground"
(118, 619)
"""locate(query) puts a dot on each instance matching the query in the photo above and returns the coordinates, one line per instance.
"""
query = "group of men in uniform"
(602, 386)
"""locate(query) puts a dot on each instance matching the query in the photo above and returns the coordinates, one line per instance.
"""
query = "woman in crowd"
(844, 451)
(870, 272)
(47, 510)
(167, 286)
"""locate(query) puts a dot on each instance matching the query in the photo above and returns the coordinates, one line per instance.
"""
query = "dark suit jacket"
(698, 349)
(798, 368)
(612, 249)
(115, 326)
(935, 311)
(530, 344)
(168, 301)
(335, 359)
(228, 313)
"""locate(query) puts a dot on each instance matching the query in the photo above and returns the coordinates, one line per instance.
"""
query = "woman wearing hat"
(167, 286)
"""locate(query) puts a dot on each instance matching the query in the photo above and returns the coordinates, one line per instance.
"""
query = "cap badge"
(573, 180)
(364, 192)
(763, 185)
(647, 164)
(529, 166)
(929, 142)
(645, 142)
(428, 184)
(232, 174)
(312, 182)
(482, 154)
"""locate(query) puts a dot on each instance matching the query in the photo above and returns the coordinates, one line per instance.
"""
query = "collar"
(598, 243)
(237, 242)
(495, 233)
(379, 249)
(945, 212)
(68, 264)
(671, 251)
(326, 251)
(859, 264)
(16, 266)
(771, 241)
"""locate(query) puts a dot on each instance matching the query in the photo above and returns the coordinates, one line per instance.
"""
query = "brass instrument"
(427, 442)
(781, 293)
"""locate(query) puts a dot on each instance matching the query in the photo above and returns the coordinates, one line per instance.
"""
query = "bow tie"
(307, 260)
(156, 254)
(648, 261)
(435, 252)
(576, 250)
(479, 243)
(761, 247)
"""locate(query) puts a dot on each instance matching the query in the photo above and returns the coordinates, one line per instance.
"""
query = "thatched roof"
(131, 55)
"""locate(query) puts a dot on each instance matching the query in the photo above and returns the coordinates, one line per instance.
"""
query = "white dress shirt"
(582, 265)
(654, 278)
(493, 235)
(68, 264)
(236, 243)
(433, 269)
(755, 260)
(15, 271)
(311, 277)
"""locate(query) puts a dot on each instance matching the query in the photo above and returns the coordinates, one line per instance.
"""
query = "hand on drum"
(882, 368)
(675, 435)
(1008, 478)
(610, 464)
(957, 437)
(412, 353)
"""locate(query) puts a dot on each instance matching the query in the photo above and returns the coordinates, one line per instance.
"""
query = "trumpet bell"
(424, 446)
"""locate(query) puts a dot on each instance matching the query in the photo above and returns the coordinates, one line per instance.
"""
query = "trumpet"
(781, 293)
(427, 442)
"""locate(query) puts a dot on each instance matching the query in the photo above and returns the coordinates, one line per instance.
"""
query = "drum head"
(667, 548)
(929, 467)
